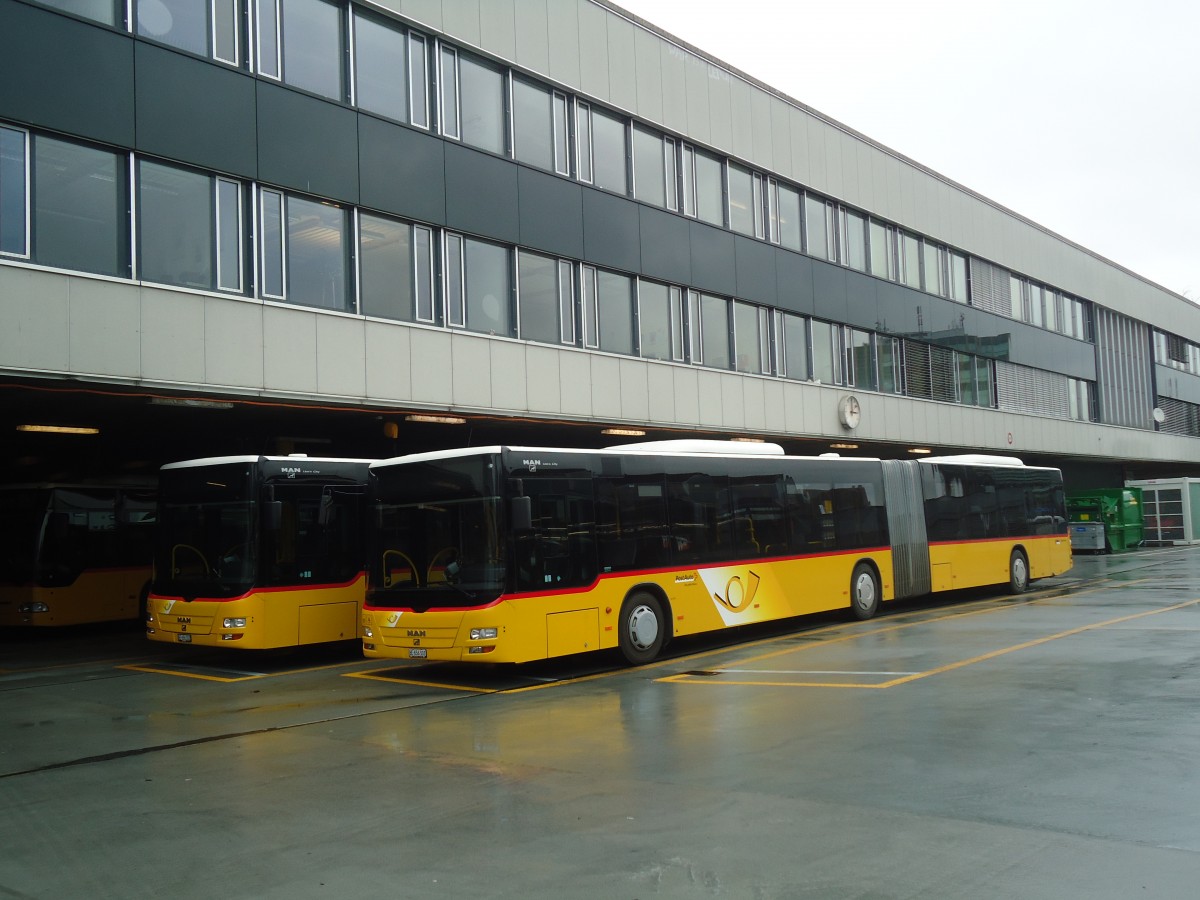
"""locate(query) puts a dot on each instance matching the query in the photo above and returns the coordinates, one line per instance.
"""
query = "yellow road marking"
(685, 677)
(370, 676)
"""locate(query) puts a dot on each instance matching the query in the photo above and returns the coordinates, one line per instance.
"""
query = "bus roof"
(228, 460)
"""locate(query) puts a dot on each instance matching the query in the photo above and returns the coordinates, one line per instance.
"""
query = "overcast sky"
(1082, 115)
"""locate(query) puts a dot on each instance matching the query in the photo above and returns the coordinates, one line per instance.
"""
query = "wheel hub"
(643, 627)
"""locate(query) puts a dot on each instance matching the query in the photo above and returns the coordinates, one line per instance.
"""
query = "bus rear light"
(235, 623)
(38, 607)
(487, 649)
(483, 634)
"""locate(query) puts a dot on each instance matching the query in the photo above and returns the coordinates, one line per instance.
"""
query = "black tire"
(864, 592)
(1018, 572)
(641, 630)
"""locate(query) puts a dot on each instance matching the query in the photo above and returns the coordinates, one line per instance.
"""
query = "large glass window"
(1035, 305)
(742, 208)
(301, 42)
(826, 353)
(208, 28)
(958, 277)
(1016, 298)
(714, 331)
(614, 298)
(710, 190)
(189, 227)
(304, 251)
(488, 287)
(539, 126)
(546, 294)
(104, 11)
(816, 225)
(481, 90)
(883, 255)
(418, 81)
(860, 359)
(80, 197)
(608, 152)
(854, 238)
(910, 260)
(795, 347)
(932, 259)
(14, 192)
(660, 309)
(650, 168)
(395, 269)
(789, 217)
(380, 70)
(888, 357)
(752, 337)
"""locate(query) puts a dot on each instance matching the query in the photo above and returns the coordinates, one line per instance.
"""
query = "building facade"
(530, 213)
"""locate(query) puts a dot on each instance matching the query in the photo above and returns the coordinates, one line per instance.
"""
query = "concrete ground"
(1042, 746)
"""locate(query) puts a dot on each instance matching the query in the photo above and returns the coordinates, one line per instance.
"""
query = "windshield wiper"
(451, 573)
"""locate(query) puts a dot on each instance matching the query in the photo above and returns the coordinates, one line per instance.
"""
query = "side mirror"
(522, 514)
(325, 512)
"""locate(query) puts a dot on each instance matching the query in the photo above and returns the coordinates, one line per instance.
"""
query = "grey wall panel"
(593, 50)
(720, 109)
(508, 376)
(829, 292)
(543, 380)
(666, 246)
(673, 62)
(289, 349)
(648, 67)
(172, 333)
(427, 11)
(388, 372)
(481, 194)
(498, 28)
(341, 356)
(757, 279)
(106, 328)
(401, 170)
(781, 137)
(635, 390)
(460, 20)
(611, 231)
(742, 118)
(35, 312)
(63, 74)
(562, 22)
(551, 213)
(699, 127)
(622, 63)
(532, 35)
(195, 112)
(714, 260)
(760, 115)
(307, 144)
(794, 282)
(233, 343)
(862, 299)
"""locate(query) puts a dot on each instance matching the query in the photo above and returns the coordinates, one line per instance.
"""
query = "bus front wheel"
(864, 592)
(1018, 572)
(641, 629)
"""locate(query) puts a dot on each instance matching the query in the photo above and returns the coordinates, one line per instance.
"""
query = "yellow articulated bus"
(74, 554)
(258, 552)
(512, 554)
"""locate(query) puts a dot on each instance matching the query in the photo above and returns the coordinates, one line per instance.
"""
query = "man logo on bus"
(738, 596)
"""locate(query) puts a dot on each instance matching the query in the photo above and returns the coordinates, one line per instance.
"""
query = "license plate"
(183, 638)
(415, 654)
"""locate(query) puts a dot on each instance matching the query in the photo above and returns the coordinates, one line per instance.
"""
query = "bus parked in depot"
(73, 554)
(512, 554)
(258, 552)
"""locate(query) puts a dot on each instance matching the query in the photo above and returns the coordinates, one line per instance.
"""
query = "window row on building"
(1176, 352)
(346, 53)
(202, 231)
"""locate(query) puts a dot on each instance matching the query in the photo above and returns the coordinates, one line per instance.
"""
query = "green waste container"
(1118, 509)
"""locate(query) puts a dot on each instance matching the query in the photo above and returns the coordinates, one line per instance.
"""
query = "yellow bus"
(512, 554)
(258, 552)
(72, 554)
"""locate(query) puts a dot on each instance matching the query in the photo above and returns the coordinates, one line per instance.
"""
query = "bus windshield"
(205, 544)
(439, 540)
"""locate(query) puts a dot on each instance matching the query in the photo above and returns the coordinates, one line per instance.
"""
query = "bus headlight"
(33, 607)
(368, 631)
(483, 634)
(235, 623)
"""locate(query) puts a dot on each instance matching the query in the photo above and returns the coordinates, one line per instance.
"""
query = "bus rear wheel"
(640, 631)
(864, 592)
(1018, 572)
